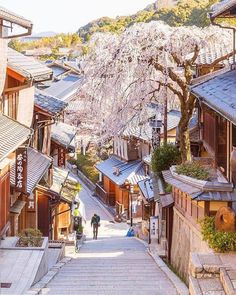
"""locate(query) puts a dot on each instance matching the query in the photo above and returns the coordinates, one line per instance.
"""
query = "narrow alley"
(113, 264)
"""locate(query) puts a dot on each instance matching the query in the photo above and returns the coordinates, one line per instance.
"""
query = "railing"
(102, 194)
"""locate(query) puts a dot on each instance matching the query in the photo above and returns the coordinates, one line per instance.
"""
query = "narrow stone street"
(111, 265)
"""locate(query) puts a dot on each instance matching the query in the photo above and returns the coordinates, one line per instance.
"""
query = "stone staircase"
(116, 266)
(212, 274)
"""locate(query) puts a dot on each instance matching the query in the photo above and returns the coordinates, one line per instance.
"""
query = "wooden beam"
(16, 75)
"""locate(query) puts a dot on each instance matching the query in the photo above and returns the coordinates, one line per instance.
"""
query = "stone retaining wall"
(186, 239)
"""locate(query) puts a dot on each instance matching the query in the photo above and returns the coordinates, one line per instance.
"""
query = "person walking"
(95, 223)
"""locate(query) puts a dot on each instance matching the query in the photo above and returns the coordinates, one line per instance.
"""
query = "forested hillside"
(186, 12)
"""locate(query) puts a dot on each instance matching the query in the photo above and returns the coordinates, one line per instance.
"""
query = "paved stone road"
(111, 265)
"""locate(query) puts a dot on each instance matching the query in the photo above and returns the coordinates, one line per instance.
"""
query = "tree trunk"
(184, 138)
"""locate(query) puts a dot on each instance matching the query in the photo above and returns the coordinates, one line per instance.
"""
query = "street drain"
(5, 285)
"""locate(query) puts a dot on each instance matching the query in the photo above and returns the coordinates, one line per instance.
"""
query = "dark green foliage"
(86, 164)
(219, 241)
(193, 169)
(30, 237)
(164, 157)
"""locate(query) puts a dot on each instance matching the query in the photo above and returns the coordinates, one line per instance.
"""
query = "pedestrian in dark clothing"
(95, 223)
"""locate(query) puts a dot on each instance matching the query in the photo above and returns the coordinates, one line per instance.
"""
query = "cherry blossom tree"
(124, 72)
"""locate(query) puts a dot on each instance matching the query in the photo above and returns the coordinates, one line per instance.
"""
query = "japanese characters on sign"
(21, 170)
(154, 231)
(61, 157)
(31, 203)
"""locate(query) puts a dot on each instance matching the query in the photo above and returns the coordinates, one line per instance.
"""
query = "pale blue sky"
(69, 15)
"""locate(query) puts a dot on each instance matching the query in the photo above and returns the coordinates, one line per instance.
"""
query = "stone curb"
(36, 289)
(179, 285)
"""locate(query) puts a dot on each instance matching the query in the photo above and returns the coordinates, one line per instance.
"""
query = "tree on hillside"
(123, 73)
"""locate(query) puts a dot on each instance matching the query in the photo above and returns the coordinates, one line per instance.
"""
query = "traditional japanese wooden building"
(63, 138)
(52, 195)
(12, 133)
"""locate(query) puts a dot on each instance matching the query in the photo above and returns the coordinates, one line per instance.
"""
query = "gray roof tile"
(144, 131)
(219, 93)
(12, 135)
(132, 171)
(63, 134)
(48, 102)
(65, 88)
(59, 178)
(26, 66)
(209, 54)
(38, 164)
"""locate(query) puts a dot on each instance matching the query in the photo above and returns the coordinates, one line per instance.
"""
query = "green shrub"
(86, 164)
(218, 241)
(164, 157)
(30, 237)
(193, 169)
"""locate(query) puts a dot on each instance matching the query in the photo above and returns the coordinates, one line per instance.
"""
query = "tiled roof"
(38, 164)
(209, 54)
(48, 102)
(146, 188)
(219, 93)
(222, 7)
(12, 135)
(26, 66)
(184, 187)
(14, 18)
(59, 178)
(17, 206)
(65, 88)
(63, 134)
(144, 131)
(119, 171)
(58, 69)
(215, 196)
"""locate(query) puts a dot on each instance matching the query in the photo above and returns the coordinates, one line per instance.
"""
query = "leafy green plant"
(218, 241)
(164, 157)
(193, 169)
(86, 164)
(30, 237)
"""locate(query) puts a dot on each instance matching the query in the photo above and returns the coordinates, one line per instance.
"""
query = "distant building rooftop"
(132, 171)
(49, 103)
(144, 130)
(65, 88)
(224, 9)
(63, 134)
(28, 67)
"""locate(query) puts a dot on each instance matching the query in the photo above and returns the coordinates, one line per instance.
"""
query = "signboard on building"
(154, 231)
(61, 157)
(21, 170)
(31, 203)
